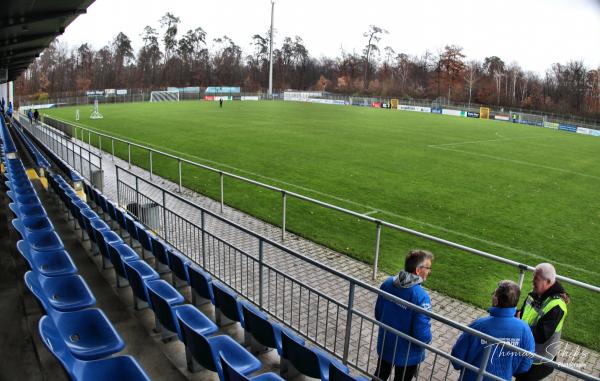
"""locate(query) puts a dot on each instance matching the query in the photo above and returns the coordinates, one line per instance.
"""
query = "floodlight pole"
(271, 51)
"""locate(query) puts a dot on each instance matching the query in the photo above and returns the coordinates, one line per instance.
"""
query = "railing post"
(164, 202)
(118, 188)
(179, 176)
(90, 164)
(283, 213)
(90, 140)
(137, 195)
(222, 193)
(349, 322)
(129, 154)
(377, 244)
(202, 226)
(80, 160)
(100, 145)
(522, 269)
(112, 142)
(150, 153)
(486, 355)
(260, 272)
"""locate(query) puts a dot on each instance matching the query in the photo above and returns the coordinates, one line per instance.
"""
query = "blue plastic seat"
(337, 374)
(311, 362)
(103, 239)
(144, 238)
(202, 351)
(194, 319)
(49, 263)
(161, 298)
(120, 368)
(178, 264)
(201, 284)
(63, 293)
(85, 216)
(131, 228)
(28, 225)
(27, 210)
(138, 273)
(261, 331)
(119, 253)
(27, 199)
(88, 334)
(159, 251)
(44, 241)
(227, 307)
(121, 220)
(231, 374)
(97, 227)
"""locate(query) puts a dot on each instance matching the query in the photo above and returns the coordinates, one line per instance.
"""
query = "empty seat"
(159, 251)
(162, 297)
(120, 368)
(143, 237)
(27, 210)
(120, 253)
(103, 239)
(88, 334)
(27, 225)
(131, 228)
(64, 293)
(194, 319)
(49, 263)
(231, 374)
(337, 374)
(311, 362)
(44, 241)
(203, 351)
(260, 332)
(178, 264)
(138, 273)
(201, 284)
(227, 307)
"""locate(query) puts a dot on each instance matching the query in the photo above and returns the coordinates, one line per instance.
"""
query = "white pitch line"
(502, 139)
(363, 206)
(370, 213)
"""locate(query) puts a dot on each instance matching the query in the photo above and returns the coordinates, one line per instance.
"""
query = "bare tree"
(472, 76)
(373, 36)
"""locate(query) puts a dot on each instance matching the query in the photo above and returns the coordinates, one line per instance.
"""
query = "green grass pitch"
(520, 192)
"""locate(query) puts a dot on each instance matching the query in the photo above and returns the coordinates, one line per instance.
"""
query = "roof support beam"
(12, 41)
(37, 17)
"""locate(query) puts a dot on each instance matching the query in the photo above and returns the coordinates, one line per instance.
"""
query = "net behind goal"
(164, 96)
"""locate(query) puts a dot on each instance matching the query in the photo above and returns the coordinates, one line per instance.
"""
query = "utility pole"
(271, 51)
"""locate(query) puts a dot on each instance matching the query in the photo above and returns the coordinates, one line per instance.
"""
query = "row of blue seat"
(174, 318)
(8, 144)
(40, 160)
(80, 336)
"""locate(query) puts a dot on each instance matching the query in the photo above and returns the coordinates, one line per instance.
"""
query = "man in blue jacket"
(503, 325)
(392, 349)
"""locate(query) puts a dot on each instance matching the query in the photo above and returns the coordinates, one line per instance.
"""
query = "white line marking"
(371, 212)
(363, 206)
(502, 139)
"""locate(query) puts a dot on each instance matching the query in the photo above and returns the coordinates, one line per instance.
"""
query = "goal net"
(164, 96)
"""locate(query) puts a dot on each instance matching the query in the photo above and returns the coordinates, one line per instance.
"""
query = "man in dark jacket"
(392, 349)
(503, 325)
(544, 311)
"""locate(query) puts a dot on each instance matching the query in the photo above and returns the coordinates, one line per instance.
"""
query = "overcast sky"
(534, 33)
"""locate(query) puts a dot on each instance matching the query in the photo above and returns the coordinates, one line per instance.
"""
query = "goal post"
(164, 96)
(484, 112)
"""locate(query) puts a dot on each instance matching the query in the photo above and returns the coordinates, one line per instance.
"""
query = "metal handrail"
(357, 282)
(378, 223)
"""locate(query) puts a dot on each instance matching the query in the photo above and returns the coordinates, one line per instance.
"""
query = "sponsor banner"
(435, 110)
(34, 107)
(583, 130)
(551, 125)
(501, 117)
(122, 92)
(187, 90)
(414, 108)
(301, 96)
(595, 132)
(567, 127)
(472, 114)
(222, 90)
(327, 101)
(95, 93)
(250, 98)
(376, 104)
(453, 112)
(110, 92)
(385, 105)
(538, 123)
(218, 98)
(209, 98)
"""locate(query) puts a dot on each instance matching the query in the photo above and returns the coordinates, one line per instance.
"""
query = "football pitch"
(524, 193)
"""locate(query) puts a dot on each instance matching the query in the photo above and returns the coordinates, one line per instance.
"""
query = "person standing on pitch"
(221, 102)
(393, 350)
(544, 311)
(503, 325)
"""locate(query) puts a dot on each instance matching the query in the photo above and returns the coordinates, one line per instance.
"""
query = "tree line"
(170, 58)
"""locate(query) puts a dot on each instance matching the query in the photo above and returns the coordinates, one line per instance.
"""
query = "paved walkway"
(317, 312)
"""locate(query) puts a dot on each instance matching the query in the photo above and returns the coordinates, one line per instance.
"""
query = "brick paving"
(319, 312)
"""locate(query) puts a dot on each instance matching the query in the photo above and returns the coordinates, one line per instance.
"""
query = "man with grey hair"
(393, 350)
(503, 325)
(544, 311)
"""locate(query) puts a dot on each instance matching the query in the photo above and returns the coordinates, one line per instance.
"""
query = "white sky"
(534, 33)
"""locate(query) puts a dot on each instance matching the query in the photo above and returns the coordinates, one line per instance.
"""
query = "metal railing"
(331, 309)
(378, 224)
(80, 158)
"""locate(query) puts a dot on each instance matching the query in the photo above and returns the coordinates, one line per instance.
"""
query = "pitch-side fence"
(282, 282)
(97, 138)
